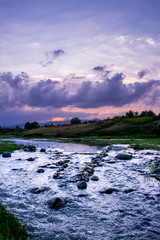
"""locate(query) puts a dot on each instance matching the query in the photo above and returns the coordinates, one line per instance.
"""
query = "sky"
(61, 59)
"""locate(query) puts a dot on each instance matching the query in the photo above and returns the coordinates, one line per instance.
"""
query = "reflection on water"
(130, 212)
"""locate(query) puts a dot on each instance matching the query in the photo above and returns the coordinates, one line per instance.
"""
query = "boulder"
(40, 170)
(56, 202)
(29, 148)
(43, 150)
(129, 190)
(82, 185)
(124, 156)
(109, 190)
(38, 190)
(6, 154)
(30, 159)
(94, 178)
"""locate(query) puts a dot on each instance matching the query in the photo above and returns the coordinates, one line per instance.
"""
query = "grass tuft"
(10, 228)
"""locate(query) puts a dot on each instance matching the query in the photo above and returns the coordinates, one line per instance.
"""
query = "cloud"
(45, 64)
(51, 56)
(99, 68)
(13, 90)
(47, 93)
(19, 95)
(142, 73)
(110, 92)
(54, 54)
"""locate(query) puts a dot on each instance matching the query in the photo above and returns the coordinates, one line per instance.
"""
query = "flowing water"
(130, 212)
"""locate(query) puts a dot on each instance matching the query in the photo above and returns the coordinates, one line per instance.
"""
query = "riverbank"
(135, 143)
(10, 228)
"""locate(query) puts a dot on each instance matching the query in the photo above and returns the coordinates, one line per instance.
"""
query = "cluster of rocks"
(155, 168)
(29, 148)
(87, 173)
(62, 165)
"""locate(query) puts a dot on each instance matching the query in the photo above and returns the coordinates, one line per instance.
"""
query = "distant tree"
(75, 120)
(147, 114)
(31, 125)
(130, 114)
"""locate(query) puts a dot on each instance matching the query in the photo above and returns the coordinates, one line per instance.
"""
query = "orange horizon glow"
(58, 119)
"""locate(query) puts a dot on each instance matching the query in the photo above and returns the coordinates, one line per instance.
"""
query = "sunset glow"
(58, 119)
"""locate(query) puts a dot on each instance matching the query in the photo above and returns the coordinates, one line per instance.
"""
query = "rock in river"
(82, 185)
(109, 190)
(94, 178)
(40, 170)
(43, 150)
(124, 156)
(38, 190)
(30, 159)
(29, 148)
(56, 202)
(6, 154)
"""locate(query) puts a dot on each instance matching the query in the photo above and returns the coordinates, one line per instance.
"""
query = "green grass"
(10, 228)
(7, 146)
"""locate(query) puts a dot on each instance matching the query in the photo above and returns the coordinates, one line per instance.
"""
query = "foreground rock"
(94, 178)
(43, 150)
(6, 154)
(38, 190)
(124, 156)
(82, 185)
(30, 159)
(109, 190)
(56, 202)
(29, 148)
(40, 170)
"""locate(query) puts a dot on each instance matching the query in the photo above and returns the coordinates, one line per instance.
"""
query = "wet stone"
(94, 178)
(129, 190)
(29, 148)
(6, 154)
(109, 190)
(124, 156)
(38, 190)
(82, 185)
(56, 202)
(43, 150)
(30, 159)
(40, 170)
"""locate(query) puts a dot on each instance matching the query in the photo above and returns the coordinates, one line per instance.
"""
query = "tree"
(75, 120)
(31, 125)
(130, 114)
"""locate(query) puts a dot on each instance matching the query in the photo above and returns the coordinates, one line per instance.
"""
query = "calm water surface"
(88, 214)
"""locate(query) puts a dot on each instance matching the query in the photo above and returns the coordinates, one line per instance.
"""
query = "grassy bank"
(7, 146)
(10, 228)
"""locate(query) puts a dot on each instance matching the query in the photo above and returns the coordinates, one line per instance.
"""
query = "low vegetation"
(10, 228)
(7, 146)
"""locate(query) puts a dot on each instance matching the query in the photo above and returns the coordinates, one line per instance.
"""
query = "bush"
(75, 120)
(32, 125)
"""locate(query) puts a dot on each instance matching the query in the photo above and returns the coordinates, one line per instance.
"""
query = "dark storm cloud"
(13, 90)
(142, 73)
(18, 81)
(112, 91)
(47, 93)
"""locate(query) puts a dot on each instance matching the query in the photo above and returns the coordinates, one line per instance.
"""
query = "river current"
(130, 212)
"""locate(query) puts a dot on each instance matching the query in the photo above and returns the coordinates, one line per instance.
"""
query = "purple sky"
(65, 58)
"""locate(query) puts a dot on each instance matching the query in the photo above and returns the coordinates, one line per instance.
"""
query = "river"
(132, 211)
